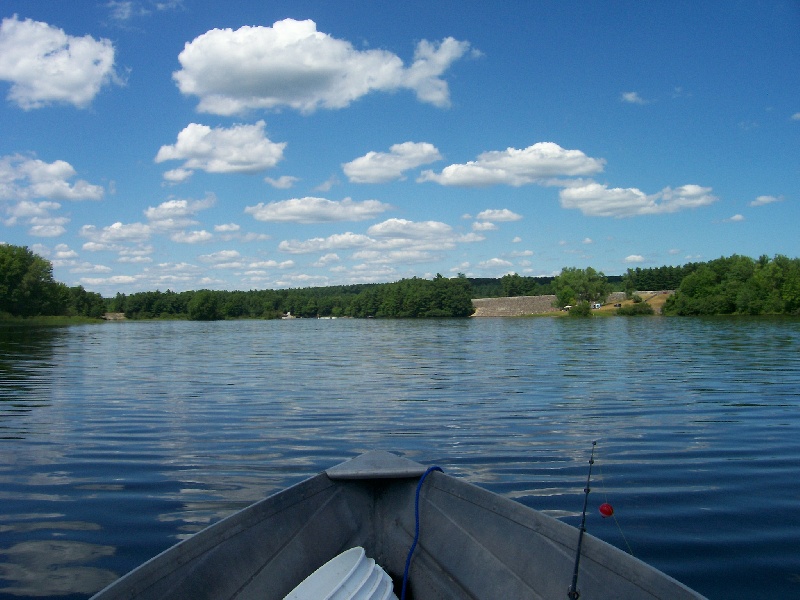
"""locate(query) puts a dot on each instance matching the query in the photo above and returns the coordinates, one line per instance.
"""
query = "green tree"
(513, 285)
(581, 309)
(205, 305)
(27, 287)
(575, 285)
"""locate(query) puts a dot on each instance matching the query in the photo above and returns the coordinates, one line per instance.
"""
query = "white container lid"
(348, 576)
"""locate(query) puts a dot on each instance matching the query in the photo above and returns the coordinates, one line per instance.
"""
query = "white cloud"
(174, 176)
(177, 214)
(292, 64)
(45, 65)
(403, 229)
(535, 164)
(115, 280)
(502, 215)
(87, 267)
(27, 210)
(223, 256)
(598, 200)
(326, 186)
(284, 182)
(588, 240)
(494, 263)
(191, 237)
(338, 241)
(380, 167)
(796, 116)
(483, 226)
(134, 260)
(632, 98)
(389, 257)
(36, 215)
(735, 218)
(48, 227)
(239, 149)
(516, 240)
(64, 252)
(327, 259)
(634, 258)
(116, 233)
(316, 210)
(23, 178)
(227, 228)
(762, 200)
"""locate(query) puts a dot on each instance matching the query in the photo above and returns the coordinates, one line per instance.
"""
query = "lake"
(119, 439)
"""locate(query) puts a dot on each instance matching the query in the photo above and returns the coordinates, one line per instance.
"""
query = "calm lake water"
(119, 439)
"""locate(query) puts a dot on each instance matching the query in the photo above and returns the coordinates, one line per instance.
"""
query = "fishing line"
(613, 514)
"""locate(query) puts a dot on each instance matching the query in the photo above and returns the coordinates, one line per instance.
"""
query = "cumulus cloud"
(535, 164)
(380, 167)
(116, 233)
(176, 214)
(223, 256)
(501, 215)
(762, 200)
(735, 218)
(495, 263)
(796, 116)
(597, 200)
(388, 241)
(48, 226)
(284, 182)
(338, 241)
(191, 237)
(634, 258)
(402, 228)
(174, 176)
(26, 178)
(316, 210)
(239, 149)
(45, 65)
(26, 210)
(292, 64)
(483, 226)
(632, 98)
(327, 259)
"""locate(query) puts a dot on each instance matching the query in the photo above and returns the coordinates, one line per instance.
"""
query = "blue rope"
(416, 528)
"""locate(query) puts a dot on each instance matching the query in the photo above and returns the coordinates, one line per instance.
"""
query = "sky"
(183, 145)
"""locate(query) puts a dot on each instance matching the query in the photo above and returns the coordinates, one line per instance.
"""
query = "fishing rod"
(573, 592)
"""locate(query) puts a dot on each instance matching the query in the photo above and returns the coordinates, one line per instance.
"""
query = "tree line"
(415, 297)
(27, 288)
(732, 285)
(739, 285)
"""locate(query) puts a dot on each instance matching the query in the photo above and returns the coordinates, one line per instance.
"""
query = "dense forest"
(732, 285)
(739, 285)
(27, 288)
(439, 297)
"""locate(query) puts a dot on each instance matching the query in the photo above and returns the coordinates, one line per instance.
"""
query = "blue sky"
(265, 144)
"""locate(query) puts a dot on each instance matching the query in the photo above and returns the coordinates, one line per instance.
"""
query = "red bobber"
(606, 510)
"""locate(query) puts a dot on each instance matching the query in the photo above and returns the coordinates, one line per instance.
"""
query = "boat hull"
(472, 544)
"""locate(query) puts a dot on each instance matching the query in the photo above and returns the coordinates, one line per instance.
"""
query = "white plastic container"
(349, 576)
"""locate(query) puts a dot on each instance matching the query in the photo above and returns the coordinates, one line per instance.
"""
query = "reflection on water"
(117, 440)
(54, 568)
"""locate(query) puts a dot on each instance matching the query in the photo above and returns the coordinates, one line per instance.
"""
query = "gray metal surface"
(473, 544)
(376, 464)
